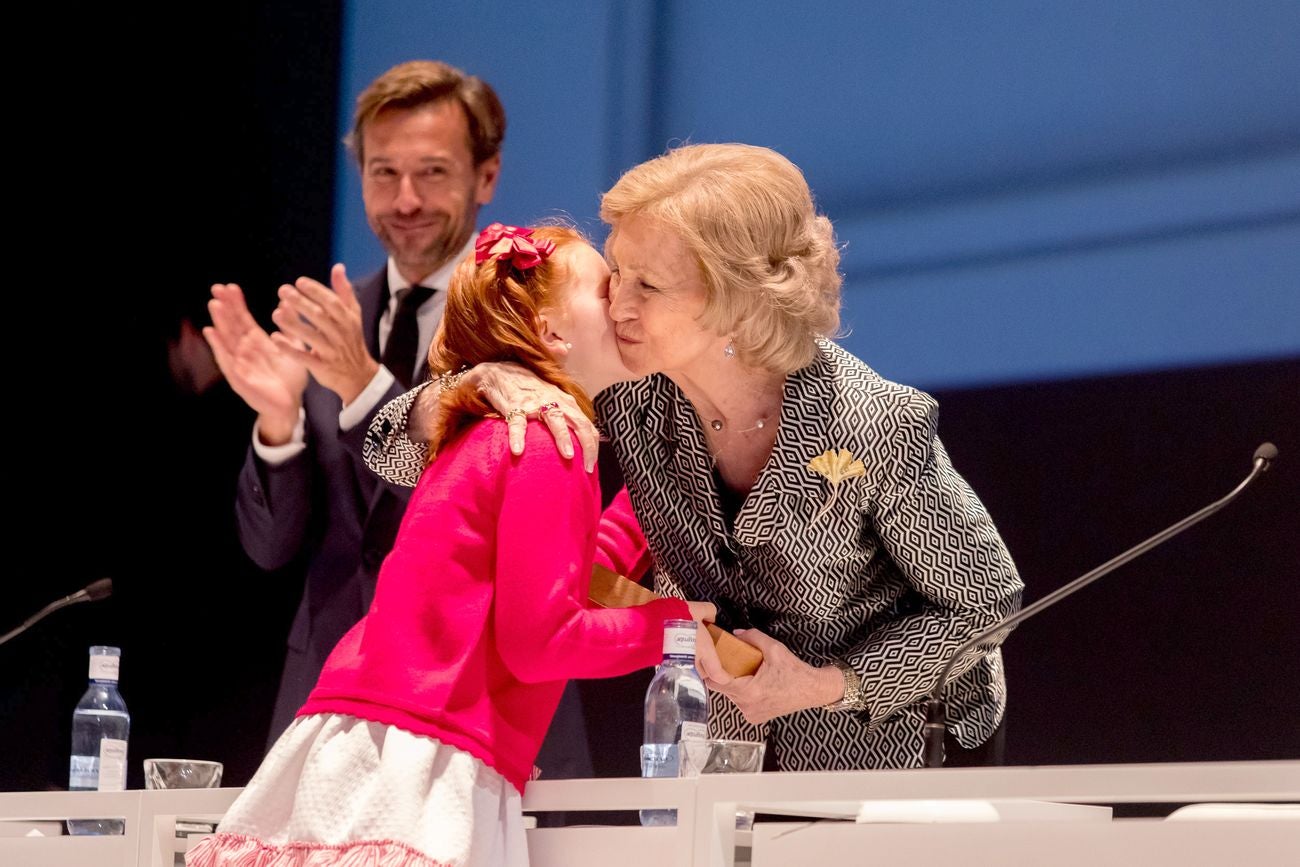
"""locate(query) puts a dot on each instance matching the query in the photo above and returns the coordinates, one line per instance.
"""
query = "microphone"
(934, 713)
(92, 592)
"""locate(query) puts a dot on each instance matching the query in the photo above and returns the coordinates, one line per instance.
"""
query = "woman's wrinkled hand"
(517, 394)
(783, 683)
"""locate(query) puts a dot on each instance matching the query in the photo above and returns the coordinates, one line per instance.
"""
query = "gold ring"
(553, 406)
(516, 412)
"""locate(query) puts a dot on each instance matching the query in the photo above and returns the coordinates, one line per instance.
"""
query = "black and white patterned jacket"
(903, 569)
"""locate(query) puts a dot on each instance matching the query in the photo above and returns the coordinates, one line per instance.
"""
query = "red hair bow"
(513, 245)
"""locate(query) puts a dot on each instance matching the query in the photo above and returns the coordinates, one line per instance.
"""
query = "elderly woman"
(775, 474)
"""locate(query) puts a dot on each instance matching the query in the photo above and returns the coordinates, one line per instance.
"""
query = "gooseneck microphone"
(90, 593)
(934, 714)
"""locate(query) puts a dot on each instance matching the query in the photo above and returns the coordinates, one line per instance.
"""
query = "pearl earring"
(568, 345)
(729, 350)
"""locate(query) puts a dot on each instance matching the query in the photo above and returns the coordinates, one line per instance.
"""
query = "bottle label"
(112, 765)
(83, 774)
(105, 667)
(679, 641)
(695, 731)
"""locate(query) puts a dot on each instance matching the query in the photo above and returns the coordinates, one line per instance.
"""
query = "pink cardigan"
(480, 613)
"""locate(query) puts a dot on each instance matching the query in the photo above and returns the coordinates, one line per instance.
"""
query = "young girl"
(414, 747)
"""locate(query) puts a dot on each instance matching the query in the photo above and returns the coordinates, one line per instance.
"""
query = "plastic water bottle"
(676, 709)
(100, 727)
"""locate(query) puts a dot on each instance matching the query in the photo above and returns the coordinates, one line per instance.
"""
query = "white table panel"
(1122, 843)
(706, 837)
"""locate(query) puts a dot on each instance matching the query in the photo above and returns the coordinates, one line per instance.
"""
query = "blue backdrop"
(1025, 191)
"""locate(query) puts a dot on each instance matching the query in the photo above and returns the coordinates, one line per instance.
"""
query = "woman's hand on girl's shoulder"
(517, 394)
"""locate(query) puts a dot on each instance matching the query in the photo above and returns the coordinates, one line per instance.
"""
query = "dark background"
(154, 158)
(148, 168)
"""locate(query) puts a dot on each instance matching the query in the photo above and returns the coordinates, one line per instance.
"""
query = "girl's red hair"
(493, 313)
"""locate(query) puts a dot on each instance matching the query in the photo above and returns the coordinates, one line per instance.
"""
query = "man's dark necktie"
(404, 337)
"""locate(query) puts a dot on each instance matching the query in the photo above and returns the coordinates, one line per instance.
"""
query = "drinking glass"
(181, 774)
(719, 756)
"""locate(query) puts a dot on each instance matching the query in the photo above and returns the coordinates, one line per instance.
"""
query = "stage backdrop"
(1025, 191)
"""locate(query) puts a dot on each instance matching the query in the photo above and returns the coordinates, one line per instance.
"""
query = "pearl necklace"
(718, 424)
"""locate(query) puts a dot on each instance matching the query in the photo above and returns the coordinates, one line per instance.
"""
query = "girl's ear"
(554, 342)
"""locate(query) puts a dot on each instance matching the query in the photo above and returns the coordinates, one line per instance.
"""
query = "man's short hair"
(423, 82)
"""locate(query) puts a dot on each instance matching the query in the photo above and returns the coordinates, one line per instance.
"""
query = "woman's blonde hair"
(494, 313)
(768, 259)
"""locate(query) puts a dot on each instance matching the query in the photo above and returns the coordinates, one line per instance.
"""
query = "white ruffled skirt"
(337, 791)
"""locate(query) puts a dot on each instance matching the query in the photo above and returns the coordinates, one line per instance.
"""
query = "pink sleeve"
(620, 544)
(546, 530)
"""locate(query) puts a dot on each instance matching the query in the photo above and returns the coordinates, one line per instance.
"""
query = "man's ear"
(488, 172)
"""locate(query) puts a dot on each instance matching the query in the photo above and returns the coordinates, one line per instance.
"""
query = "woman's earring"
(729, 350)
(568, 345)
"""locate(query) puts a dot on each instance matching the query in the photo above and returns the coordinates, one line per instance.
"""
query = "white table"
(1044, 829)
(150, 837)
(705, 834)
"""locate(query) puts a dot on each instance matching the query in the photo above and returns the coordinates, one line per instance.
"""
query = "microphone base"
(934, 732)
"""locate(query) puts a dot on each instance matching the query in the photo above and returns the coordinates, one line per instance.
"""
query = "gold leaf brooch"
(836, 466)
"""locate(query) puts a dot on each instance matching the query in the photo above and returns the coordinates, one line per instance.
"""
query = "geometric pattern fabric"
(903, 569)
